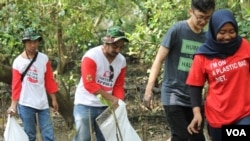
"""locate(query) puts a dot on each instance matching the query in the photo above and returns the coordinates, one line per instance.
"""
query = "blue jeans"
(178, 118)
(83, 116)
(28, 117)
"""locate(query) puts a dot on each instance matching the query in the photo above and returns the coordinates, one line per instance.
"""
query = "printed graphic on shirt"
(32, 75)
(187, 50)
(105, 81)
(219, 68)
(89, 78)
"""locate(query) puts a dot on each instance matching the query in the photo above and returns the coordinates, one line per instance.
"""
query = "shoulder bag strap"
(31, 62)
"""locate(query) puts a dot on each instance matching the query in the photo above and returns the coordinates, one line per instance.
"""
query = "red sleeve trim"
(118, 90)
(197, 75)
(88, 71)
(16, 84)
(50, 83)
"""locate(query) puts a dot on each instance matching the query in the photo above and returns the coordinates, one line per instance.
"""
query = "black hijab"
(212, 48)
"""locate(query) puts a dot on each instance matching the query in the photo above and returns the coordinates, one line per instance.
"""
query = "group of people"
(191, 56)
(219, 57)
(103, 70)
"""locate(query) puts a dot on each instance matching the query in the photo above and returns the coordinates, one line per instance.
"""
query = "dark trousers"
(215, 133)
(178, 118)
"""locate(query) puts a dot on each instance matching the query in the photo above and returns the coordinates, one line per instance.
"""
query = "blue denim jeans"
(28, 117)
(244, 121)
(83, 116)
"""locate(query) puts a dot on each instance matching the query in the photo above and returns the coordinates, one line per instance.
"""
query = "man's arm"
(155, 70)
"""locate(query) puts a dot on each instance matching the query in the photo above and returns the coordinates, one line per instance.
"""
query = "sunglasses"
(115, 46)
(112, 72)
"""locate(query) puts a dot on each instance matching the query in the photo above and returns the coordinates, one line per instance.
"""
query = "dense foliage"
(69, 28)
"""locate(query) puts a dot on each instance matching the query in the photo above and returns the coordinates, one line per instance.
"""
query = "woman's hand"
(195, 125)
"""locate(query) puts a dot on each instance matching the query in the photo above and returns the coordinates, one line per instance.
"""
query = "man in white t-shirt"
(103, 71)
(30, 88)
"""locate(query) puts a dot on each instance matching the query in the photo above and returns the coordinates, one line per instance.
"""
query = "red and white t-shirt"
(32, 92)
(228, 97)
(95, 75)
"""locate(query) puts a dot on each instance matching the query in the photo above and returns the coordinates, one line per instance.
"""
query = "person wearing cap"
(103, 71)
(29, 90)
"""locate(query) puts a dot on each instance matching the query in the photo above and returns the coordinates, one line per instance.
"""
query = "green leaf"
(103, 100)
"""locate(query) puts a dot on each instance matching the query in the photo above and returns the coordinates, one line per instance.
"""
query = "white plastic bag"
(13, 131)
(108, 125)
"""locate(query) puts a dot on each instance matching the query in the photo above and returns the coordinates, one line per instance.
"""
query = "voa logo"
(236, 132)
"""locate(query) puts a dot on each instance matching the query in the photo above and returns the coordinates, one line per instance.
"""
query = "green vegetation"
(69, 28)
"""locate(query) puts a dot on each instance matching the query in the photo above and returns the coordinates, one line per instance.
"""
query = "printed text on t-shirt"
(221, 67)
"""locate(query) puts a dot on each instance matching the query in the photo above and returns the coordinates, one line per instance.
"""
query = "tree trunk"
(64, 102)
(5, 74)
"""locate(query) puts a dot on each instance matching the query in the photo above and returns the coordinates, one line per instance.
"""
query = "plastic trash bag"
(13, 131)
(118, 127)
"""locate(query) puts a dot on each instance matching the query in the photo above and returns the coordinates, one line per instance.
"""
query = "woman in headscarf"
(224, 62)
